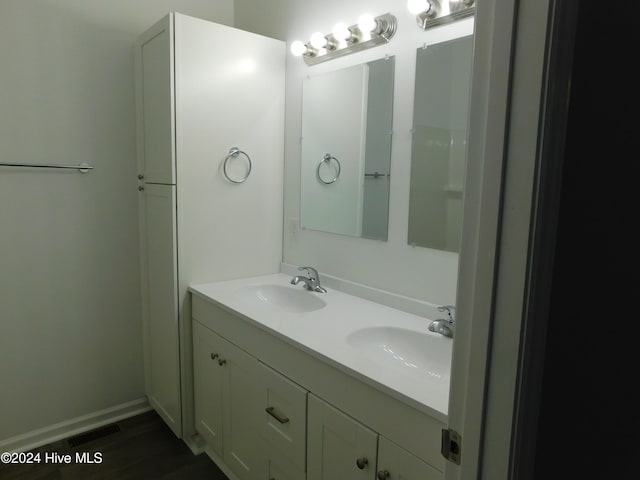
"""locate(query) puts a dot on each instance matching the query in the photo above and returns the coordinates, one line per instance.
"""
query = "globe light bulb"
(366, 23)
(341, 32)
(418, 6)
(298, 48)
(318, 40)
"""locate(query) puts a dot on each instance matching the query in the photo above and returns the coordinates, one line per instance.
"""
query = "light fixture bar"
(384, 29)
(435, 15)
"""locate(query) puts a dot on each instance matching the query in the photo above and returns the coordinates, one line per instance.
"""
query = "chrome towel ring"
(327, 160)
(234, 152)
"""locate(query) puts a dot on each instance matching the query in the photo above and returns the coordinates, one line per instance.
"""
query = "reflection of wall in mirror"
(439, 144)
(436, 187)
(334, 107)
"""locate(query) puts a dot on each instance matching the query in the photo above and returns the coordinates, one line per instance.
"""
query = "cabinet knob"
(214, 356)
(140, 176)
(141, 188)
(383, 474)
(362, 462)
(221, 361)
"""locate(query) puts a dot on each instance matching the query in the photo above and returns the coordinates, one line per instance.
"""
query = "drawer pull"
(383, 474)
(221, 361)
(214, 356)
(272, 411)
(362, 462)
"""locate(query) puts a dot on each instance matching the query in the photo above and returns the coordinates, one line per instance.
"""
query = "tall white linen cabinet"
(210, 131)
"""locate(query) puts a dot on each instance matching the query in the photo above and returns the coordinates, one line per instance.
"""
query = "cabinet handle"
(362, 462)
(141, 188)
(383, 474)
(214, 356)
(272, 411)
(221, 361)
(140, 176)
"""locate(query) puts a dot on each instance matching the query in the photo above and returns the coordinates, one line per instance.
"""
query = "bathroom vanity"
(291, 384)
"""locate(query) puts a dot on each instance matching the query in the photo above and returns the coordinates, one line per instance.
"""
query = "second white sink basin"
(405, 349)
(279, 297)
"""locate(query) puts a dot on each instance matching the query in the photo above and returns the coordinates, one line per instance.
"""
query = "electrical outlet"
(294, 227)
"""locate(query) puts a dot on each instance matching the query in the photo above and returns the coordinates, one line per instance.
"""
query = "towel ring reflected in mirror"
(235, 152)
(327, 160)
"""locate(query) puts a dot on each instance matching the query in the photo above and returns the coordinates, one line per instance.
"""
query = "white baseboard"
(43, 436)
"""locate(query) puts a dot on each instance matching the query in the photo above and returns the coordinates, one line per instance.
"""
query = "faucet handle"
(451, 311)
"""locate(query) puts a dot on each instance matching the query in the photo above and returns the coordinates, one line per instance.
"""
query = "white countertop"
(324, 333)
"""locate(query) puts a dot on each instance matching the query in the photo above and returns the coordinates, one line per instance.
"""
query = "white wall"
(393, 266)
(70, 333)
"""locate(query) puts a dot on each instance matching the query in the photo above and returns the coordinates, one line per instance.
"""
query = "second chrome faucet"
(311, 282)
(445, 326)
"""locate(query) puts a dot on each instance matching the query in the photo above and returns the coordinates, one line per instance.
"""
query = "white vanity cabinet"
(252, 418)
(202, 90)
(396, 463)
(341, 447)
(283, 425)
(338, 446)
(312, 420)
(227, 401)
(207, 380)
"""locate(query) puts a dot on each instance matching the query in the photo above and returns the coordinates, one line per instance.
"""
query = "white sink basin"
(279, 297)
(407, 350)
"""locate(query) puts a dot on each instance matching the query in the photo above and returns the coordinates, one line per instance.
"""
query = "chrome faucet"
(312, 282)
(445, 326)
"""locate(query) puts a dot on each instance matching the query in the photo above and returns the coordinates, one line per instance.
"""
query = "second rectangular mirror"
(438, 156)
(346, 150)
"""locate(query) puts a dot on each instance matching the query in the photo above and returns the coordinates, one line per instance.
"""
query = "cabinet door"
(339, 447)
(207, 386)
(395, 463)
(160, 302)
(155, 103)
(280, 468)
(241, 412)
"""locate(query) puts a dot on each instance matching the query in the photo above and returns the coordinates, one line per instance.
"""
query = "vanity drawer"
(284, 419)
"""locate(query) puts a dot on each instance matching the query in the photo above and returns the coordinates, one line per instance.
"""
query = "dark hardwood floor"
(138, 448)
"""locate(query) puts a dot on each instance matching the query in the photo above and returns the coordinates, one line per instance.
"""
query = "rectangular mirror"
(438, 155)
(347, 118)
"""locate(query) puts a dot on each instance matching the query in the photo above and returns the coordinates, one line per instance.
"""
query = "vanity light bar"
(430, 13)
(368, 32)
